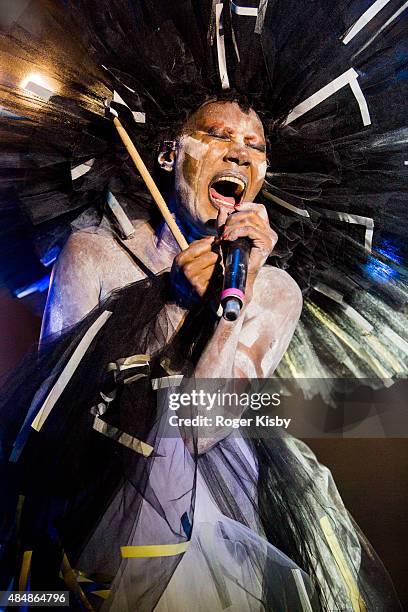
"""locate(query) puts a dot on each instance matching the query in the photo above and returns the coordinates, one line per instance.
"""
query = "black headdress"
(330, 83)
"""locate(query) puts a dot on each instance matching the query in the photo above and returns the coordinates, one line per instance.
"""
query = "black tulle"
(70, 475)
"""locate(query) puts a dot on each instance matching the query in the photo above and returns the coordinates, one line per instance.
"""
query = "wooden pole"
(151, 185)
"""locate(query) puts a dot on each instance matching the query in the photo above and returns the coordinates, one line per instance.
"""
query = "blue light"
(40, 286)
(390, 251)
(379, 271)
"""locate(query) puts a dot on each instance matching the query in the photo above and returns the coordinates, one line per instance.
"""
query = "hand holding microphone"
(197, 264)
(248, 240)
(236, 255)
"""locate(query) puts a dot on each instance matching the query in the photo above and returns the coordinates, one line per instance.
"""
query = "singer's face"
(220, 162)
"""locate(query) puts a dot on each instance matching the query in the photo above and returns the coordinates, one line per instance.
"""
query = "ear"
(167, 155)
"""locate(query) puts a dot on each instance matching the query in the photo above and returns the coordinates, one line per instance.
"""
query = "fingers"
(201, 263)
(250, 224)
(196, 264)
(260, 239)
(222, 217)
(245, 218)
(194, 250)
(253, 206)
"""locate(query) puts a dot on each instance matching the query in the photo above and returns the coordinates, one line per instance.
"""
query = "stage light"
(38, 85)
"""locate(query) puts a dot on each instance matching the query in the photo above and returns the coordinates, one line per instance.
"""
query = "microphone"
(236, 268)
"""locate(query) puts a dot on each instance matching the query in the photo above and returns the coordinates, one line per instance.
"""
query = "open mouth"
(227, 191)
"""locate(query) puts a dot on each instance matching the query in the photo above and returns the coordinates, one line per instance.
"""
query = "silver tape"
(347, 78)
(137, 116)
(263, 5)
(69, 370)
(124, 363)
(167, 381)
(357, 219)
(39, 90)
(299, 211)
(121, 217)
(348, 310)
(365, 18)
(383, 27)
(301, 589)
(222, 62)
(246, 11)
(82, 169)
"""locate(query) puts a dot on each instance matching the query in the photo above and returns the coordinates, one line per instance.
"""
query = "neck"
(164, 237)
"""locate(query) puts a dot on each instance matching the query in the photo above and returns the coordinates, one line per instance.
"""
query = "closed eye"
(258, 147)
(216, 134)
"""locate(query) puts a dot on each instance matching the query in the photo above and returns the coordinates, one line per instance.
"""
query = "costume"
(123, 499)
(333, 108)
(333, 175)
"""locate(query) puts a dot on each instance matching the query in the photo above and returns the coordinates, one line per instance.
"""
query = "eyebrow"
(217, 129)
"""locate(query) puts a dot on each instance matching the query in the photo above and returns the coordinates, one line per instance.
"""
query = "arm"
(253, 345)
(75, 285)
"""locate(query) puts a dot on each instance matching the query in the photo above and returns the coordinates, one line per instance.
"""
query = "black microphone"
(236, 269)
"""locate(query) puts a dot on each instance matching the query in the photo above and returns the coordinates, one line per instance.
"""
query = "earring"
(166, 155)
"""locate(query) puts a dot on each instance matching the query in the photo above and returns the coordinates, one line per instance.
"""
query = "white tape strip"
(406, 163)
(120, 216)
(329, 292)
(347, 78)
(386, 24)
(69, 370)
(299, 211)
(121, 82)
(167, 381)
(365, 18)
(222, 62)
(383, 27)
(361, 101)
(357, 219)
(137, 116)
(263, 5)
(82, 169)
(394, 337)
(358, 318)
(246, 11)
(301, 589)
(348, 310)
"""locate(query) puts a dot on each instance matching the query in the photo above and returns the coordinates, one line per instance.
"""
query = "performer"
(219, 164)
(104, 492)
(221, 146)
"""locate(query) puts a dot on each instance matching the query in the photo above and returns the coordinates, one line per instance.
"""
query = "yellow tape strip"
(352, 587)
(159, 550)
(25, 570)
(71, 582)
(122, 437)
(103, 593)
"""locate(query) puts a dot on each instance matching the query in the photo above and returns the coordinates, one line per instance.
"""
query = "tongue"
(230, 200)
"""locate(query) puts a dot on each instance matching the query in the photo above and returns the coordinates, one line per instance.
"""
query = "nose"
(238, 154)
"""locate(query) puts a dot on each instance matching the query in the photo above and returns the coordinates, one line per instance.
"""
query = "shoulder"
(86, 246)
(278, 287)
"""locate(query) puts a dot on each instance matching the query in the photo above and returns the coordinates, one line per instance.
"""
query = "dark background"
(371, 474)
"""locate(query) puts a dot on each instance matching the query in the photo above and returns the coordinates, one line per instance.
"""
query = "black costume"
(333, 107)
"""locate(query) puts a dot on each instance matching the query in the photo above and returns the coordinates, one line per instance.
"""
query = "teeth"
(233, 179)
(222, 203)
